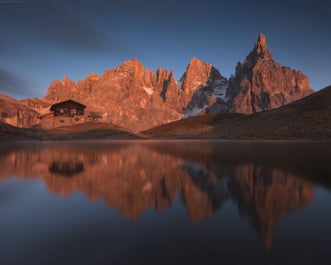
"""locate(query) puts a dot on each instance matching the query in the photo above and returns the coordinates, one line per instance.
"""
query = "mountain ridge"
(260, 83)
(137, 98)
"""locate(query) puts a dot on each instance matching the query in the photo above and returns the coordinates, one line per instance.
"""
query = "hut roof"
(65, 103)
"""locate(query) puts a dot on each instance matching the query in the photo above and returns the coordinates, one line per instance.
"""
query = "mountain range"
(138, 99)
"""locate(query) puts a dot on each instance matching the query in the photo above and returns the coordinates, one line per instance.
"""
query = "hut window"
(73, 112)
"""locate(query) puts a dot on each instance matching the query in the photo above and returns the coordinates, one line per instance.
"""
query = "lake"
(170, 202)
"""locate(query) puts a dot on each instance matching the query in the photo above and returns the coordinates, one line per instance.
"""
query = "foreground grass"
(84, 132)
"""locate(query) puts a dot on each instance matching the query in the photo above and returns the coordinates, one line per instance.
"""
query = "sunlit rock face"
(202, 83)
(260, 83)
(135, 178)
(129, 95)
(16, 113)
(137, 98)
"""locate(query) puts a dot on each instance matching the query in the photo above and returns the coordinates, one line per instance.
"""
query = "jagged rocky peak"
(69, 85)
(261, 47)
(60, 90)
(260, 51)
(132, 65)
(162, 74)
(92, 76)
(89, 80)
(260, 83)
(67, 80)
(203, 84)
(128, 67)
(197, 64)
(196, 75)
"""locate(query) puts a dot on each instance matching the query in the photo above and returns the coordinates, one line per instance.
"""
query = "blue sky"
(44, 40)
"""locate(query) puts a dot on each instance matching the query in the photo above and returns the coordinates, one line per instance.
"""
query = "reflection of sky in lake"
(159, 203)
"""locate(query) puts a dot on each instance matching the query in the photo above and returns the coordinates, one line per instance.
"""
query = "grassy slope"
(308, 118)
(8, 132)
(77, 132)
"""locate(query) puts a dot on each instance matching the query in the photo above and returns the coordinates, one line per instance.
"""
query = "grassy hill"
(77, 132)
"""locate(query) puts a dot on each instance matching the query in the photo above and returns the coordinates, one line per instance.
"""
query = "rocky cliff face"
(137, 98)
(202, 83)
(129, 95)
(16, 113)
(260, 83)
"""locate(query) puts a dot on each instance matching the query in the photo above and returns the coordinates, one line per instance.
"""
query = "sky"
(45, 40)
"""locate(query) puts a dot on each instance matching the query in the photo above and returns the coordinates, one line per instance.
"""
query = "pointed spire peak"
(261, 48)
(260, 51)
(171, 76)
(262, 39)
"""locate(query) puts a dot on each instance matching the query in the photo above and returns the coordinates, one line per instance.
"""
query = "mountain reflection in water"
(265, 180)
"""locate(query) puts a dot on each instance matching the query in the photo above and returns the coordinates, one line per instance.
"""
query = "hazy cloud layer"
(13, 84)
(56, 23)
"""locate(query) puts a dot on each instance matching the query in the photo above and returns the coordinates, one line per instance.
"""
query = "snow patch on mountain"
(201, 99)
(148, 90)
(220, 89)
(179, 84)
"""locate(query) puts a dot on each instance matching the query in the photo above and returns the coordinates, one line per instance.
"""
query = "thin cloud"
(14, 85)
(54, 23)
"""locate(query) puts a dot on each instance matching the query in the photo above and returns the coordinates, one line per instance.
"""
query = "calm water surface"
(149, 202)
